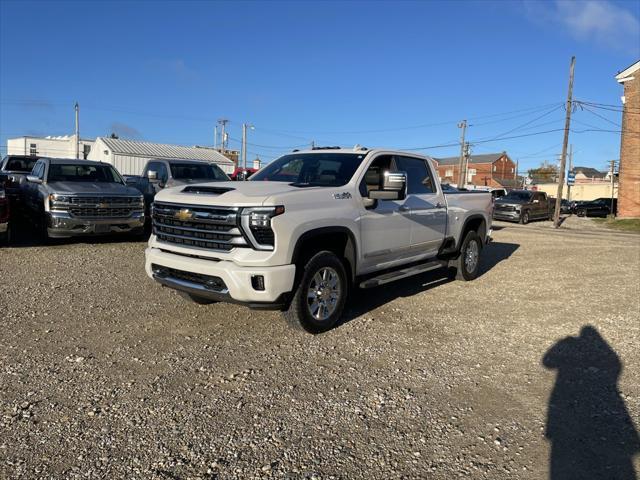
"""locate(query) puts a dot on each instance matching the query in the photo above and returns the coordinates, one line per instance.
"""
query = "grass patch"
(625, 224)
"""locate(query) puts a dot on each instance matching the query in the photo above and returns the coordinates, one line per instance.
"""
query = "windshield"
(189, 171)
(60, 172)
(311, 169)
(520, 196)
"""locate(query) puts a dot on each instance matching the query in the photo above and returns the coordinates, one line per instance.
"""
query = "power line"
(526, 123)
(584, 107)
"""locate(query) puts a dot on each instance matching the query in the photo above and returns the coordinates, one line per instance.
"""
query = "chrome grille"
(87, 212)
(212, 228)
(505, 208)
(98, 207)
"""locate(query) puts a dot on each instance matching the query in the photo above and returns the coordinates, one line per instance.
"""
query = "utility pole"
(215, 137)
(223, 139)
(515, 174)
(463, 126)
(565, 142)
(613, 167)
(313, 144)
(467, 154)
(570, 170)
(77, 131)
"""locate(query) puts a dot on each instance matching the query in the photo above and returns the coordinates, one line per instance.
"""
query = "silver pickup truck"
(69, 198)
(312, 225)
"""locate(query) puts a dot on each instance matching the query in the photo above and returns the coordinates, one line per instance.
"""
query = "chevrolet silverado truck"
(523, 206)
(166, 173)
(68, 198)
(312, 225)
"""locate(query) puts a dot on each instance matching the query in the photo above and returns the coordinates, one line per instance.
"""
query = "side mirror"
(394, 187)
(536, 201)
(152, 175)
(33, 179)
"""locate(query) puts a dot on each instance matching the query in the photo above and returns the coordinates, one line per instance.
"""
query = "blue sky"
(393, 74)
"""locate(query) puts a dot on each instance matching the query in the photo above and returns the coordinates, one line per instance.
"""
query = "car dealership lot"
(104, 374)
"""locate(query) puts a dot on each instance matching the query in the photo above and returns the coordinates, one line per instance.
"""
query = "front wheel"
(467, 265)
(524, 217)
(320, 296)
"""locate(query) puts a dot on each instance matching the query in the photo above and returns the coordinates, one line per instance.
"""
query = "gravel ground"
(104, 374)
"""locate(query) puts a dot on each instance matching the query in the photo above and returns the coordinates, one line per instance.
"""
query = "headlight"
(261, 217)
(256, 223)
(60, 198)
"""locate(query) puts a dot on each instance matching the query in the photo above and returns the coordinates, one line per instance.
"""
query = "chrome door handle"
(403, 208)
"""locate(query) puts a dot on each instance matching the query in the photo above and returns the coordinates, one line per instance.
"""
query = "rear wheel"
(467, 265)
(196, 299)
(321, 294)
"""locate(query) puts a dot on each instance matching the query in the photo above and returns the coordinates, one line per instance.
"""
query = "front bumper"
(64, 225)
(238, 288)
(509, 216)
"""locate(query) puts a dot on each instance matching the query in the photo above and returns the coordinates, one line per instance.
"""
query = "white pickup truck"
(312, 225)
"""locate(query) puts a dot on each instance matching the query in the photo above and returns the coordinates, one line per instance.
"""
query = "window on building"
(85, 150)
(511, 169)
(33, 149)
(495, 168)
(448, 172)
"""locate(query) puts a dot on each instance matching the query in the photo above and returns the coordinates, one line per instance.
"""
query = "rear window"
(83, 173)
(20, 164)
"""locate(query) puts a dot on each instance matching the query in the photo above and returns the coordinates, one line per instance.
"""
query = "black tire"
(196, 298)
(581, 213)
(524, 217)
(302, 313)
(5, 237)
(465, 268)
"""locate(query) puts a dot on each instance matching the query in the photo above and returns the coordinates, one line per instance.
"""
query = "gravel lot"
(104, 374)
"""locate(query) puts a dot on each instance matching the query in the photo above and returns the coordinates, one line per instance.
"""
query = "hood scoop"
(206, 190)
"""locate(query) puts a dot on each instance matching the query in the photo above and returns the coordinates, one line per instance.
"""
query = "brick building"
(491, 169)
(629, 178)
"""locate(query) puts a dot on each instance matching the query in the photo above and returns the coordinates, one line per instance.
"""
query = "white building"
(130, 157)
(55, 147)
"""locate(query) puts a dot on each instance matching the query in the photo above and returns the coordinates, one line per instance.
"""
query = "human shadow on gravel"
(363, 301)
(591, 432)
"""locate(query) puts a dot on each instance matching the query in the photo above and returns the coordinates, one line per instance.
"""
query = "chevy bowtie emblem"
(103, 205)
(184, 215)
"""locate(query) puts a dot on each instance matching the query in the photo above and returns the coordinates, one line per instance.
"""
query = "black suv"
(600, 207)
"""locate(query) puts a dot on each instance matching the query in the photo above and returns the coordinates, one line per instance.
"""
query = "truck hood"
(99, 188)
(241, 194)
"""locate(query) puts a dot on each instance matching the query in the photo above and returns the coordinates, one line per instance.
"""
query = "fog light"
(257, 282)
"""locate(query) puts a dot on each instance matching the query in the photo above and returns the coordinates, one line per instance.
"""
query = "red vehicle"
(4, 216)
(240, 174)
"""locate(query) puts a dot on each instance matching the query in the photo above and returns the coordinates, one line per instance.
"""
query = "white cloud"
(600, 21)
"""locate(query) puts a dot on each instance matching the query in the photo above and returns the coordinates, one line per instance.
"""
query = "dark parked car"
(522, 206)
(600, 207)
(4, 217)
(66, 198)
(565, 205)
(13, 173)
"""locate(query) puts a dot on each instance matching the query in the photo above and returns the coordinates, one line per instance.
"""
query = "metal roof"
(485, 158)
(162, 150)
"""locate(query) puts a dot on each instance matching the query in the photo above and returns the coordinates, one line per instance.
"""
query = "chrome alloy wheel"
(471, 255)
(324, 293)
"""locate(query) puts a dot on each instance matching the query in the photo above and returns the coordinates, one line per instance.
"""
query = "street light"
(244, 143)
